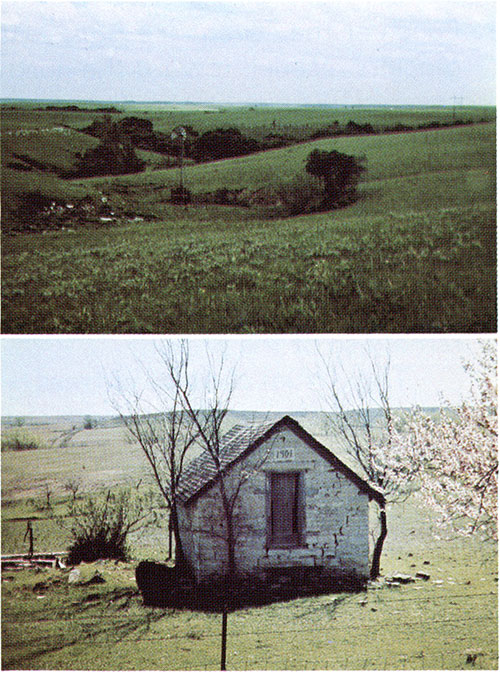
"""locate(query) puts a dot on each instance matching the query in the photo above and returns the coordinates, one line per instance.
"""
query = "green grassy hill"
(387, 156)
(415, 253)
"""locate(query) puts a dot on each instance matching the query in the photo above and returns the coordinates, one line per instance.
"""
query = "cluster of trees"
(353, 128)
(76, 108)
(114, 155)
(220, 143)
(331, 182)
(335, 175)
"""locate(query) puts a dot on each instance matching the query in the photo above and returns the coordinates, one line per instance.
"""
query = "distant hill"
(312, 419)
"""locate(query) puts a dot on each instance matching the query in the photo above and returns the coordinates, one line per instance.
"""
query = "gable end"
(195, 484)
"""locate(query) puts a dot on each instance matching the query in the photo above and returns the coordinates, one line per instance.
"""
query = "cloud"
(277, 44)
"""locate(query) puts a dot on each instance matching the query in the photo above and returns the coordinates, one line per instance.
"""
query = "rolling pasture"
(449, 621)
(415, 253)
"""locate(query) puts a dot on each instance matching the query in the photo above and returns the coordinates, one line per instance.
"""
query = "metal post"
(224, 639)
(182, 165)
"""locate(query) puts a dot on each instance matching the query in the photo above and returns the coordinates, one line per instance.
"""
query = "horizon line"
(246, 411)
(238, 103)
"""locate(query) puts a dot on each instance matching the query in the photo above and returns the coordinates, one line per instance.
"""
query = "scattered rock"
(74, 576)
(390, 583)
(96, 578)
(422, 576)
(402, 579)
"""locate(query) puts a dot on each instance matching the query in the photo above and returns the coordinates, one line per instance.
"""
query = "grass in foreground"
(436, 624)
(431, 272)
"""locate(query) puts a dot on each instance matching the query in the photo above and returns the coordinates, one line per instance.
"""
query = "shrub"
(180, 195)
(340, 174)
(223, 143)
(301, 194)
(88, 423)
(100, 525)
(20, 440)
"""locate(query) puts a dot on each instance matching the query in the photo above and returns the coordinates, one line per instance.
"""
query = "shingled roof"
(241, 440)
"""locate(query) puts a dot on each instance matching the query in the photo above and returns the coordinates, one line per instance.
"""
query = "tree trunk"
(377, 552)
(231, 558)
(180, 559)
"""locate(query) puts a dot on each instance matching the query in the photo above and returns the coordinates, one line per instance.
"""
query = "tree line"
(226, 142)
(337, 174)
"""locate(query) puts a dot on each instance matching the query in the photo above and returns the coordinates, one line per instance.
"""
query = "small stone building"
(298, 507)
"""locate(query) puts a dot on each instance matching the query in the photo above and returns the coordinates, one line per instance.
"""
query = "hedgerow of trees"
(222, 143)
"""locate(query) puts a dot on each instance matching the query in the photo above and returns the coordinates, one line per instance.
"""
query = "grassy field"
(440, 623)
(418, 272)
(415, 253)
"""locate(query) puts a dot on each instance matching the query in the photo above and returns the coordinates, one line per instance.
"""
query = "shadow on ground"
(164, 586)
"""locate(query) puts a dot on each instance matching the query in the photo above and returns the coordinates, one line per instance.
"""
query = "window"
(285, 509)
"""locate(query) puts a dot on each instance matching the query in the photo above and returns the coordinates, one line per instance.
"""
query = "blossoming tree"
(458, 453)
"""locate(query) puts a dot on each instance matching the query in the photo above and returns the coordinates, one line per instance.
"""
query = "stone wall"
(335, 533)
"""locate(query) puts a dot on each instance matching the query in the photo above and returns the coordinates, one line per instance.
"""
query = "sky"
(336, 52)
(44, 376)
